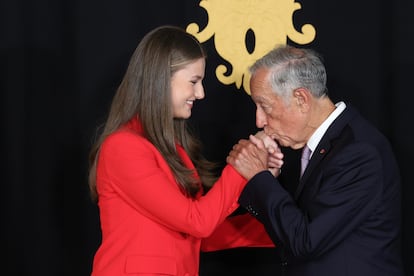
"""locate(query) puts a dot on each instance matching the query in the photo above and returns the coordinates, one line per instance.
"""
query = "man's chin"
(280, 142)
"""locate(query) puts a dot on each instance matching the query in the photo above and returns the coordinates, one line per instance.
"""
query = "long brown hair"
(145, 92)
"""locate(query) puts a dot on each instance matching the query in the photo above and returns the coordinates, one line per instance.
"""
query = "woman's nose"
(199, 93)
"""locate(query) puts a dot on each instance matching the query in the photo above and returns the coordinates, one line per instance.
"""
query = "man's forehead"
(263, 96)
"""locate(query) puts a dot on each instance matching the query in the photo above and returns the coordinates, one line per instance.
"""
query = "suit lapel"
(328, 143)
(317, 157)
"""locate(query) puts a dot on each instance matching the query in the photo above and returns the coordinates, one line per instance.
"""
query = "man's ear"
(302, 98)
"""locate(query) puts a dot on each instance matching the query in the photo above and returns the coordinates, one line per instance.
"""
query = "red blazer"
(149, 227)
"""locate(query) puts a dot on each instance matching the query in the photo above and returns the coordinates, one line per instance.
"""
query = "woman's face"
(186, 87)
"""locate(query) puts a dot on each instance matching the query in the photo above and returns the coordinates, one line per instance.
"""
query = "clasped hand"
(256, 154)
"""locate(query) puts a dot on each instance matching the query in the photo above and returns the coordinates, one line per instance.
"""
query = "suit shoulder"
(125, 140)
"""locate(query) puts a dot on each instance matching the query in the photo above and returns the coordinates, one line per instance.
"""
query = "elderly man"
(344, 218)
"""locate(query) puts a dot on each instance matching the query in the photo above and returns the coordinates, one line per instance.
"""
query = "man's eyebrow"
(258, 98)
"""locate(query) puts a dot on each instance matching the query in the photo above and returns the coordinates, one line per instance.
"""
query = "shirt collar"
(320, 131)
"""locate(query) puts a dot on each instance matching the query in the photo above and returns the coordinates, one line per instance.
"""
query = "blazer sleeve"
(237, 231)
(348, 189)
(132, 168)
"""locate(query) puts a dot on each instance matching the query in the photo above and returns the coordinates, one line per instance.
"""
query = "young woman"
(147, 173)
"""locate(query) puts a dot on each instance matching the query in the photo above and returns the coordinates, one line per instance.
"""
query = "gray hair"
(292, 68)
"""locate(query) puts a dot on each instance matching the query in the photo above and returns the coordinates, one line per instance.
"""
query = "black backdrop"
(61, 62)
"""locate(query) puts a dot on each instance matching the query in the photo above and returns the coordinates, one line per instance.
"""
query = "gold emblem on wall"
(270, 21)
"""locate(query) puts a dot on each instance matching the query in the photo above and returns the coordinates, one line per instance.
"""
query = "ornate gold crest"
(271, 22)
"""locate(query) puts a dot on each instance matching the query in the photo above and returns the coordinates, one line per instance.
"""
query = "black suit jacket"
(345, 216)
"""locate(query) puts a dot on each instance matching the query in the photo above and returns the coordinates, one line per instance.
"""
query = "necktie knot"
(306, 152)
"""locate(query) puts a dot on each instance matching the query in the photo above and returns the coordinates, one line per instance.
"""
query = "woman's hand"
(275, 158)
(248, 158)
